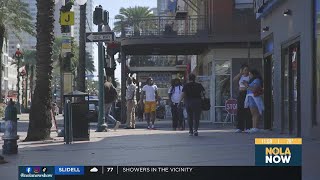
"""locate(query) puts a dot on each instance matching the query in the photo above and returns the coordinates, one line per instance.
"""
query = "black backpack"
(111, 95)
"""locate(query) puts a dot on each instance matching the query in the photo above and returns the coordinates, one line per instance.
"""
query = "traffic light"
(66, 62)
(98, 15)
(105, 17)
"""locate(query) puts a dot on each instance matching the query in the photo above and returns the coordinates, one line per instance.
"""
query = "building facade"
(290, 35)
(27, 41)
(89, 23)
(9, 74)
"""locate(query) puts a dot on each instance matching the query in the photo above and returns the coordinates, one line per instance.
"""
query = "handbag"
(258, 92)
(205, 104)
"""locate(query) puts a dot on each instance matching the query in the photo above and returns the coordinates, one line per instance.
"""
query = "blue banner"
(172, 5)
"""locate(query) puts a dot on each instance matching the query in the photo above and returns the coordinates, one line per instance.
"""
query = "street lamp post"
(18, 56)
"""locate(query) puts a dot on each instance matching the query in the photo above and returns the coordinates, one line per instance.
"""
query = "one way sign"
(100, 37)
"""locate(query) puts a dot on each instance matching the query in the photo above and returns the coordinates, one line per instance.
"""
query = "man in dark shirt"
(192, 93)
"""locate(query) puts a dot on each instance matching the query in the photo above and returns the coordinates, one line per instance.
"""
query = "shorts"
(251, 103)
(150, 106)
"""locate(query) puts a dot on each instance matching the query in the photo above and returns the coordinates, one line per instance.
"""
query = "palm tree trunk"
(2, 31)
(40, 115)
(81, 81)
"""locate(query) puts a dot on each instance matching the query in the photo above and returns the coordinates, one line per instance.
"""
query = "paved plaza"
(213, 147)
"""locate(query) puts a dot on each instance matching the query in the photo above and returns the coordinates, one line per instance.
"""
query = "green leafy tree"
(40, 114)
(132, 17)
(14, 17)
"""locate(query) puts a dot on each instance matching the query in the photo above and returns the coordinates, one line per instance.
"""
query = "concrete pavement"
(213, 147)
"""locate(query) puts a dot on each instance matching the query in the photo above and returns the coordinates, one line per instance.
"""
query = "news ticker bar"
(185, 172)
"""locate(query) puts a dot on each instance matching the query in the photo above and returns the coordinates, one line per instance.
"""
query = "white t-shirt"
(243, 78)
(150, 92)
(176, 94)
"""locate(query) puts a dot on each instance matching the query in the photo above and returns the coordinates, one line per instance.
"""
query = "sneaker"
(152, 127)
(238, 131)
(190, 134)
(117, 125)
(148, 127)
(247, 130)
(253, 130)
(195, 133)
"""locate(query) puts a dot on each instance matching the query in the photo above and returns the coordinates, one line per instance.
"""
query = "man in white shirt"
(150, 91)
(131, 103)
(174, 93)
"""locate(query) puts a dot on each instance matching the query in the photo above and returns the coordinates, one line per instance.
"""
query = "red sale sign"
(231, 106)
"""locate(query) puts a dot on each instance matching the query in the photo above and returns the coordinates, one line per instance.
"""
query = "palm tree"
(14, 16)
(90, 68)
(40, 115)
(131, 18)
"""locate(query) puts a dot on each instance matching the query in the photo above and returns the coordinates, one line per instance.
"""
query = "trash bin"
(76, 117)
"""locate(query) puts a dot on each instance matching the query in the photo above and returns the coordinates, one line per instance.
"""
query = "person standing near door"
(131, 103)
(243, 114)
(193, 92)
(150, 90)
(174, 94)
(254, 98)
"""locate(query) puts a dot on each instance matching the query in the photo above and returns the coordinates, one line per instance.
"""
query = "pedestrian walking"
(131, 103)
(110, 95)
(150, 92)
(254, 98)
(244, 121)
(193, 93)
(174, 94)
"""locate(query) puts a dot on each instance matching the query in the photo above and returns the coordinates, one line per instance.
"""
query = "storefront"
(290, 66)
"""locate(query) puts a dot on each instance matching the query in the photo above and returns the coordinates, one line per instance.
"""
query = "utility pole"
(98, 18)
(66, 55)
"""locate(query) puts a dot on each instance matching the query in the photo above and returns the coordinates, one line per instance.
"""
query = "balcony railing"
(156, 61)
(165, 26)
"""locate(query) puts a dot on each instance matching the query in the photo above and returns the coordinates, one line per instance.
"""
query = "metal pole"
(102, 126)
(123, 86)
(18, 87)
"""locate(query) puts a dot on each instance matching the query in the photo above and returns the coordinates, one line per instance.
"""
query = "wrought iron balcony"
(156, 61)
(164, 26)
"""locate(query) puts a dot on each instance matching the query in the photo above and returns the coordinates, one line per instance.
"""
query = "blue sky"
(113, 6)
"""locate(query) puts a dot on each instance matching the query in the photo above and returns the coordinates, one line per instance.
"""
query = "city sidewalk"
(213, 147)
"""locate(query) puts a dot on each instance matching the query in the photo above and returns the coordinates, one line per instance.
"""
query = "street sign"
(66, 43)
(231, 106)
(100, 36)
(67, 18)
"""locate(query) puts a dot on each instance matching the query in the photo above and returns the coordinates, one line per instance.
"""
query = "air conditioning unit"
(182, 11)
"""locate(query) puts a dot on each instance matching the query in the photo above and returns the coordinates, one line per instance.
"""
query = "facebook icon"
(28, 170)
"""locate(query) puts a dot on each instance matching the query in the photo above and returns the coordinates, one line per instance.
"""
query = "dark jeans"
(243, 114)
(177, 115)
(194, 111)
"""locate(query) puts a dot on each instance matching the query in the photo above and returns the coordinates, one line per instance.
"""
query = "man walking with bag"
(110, 97)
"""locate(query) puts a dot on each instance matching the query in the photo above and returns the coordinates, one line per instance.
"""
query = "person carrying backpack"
(174, 93)
(110, 96)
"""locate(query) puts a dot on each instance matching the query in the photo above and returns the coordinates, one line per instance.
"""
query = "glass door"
(222, 90)
(290, 90)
